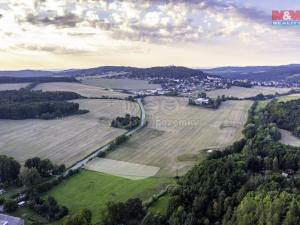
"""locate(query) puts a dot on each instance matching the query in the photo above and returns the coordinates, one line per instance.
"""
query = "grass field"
(82, 89)
(288, 138)
(287, 98)
(15, 86)
(92, 190)
(176, 132)
(65, 140)
(241, 92)
(126, 84)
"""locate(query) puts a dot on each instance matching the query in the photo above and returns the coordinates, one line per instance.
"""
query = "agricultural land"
(178, 135)
(12, 86)
(242, 92)
(66, 140)
(82, 89)
(287, 98)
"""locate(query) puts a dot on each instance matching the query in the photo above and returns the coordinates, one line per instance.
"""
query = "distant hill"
(26, 73)
(163, 71)
(95, 71)
(261, 73)
(264, 73)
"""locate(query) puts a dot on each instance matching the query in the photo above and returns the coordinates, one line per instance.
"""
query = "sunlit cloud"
(97, 27)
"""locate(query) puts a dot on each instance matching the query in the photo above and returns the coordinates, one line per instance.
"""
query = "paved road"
(105, 147)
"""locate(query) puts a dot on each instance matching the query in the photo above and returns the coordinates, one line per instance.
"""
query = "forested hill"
(160, 71)
(134, 72)
(264, 73)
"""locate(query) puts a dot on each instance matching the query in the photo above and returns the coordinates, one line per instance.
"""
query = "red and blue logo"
(286, 17)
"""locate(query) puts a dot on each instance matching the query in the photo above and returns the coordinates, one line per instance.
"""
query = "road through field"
(103, 148)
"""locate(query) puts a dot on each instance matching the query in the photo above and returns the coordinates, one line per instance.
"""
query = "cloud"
(166, 22)
(67, 20)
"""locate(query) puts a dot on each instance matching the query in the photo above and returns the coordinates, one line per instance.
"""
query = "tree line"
(24, 104)
(36, 79)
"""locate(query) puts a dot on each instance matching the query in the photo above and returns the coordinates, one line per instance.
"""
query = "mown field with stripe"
(177, 134)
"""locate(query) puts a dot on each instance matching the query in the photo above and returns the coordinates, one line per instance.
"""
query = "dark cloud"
(81, 34)
(67, 20)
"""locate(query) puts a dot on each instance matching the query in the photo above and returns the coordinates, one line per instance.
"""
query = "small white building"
(201, 101)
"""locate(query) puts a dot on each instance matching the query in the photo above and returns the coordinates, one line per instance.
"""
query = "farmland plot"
(84, 90)
(178, 133)
(241, 92)
(129, 170)
(65, 140)
(14, 86)
(126, 84)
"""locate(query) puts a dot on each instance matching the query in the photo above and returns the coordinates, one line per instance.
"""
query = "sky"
(63, 34)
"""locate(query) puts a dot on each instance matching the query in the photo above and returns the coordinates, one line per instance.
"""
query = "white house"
(200, 101)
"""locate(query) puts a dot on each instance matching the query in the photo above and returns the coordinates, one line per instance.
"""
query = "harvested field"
(288, 138)
(126, 84)
(14, 86)
(65, 140)
(92, 190)
(129, 170)
(82, 89)
(241, 92)
(176, 130)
